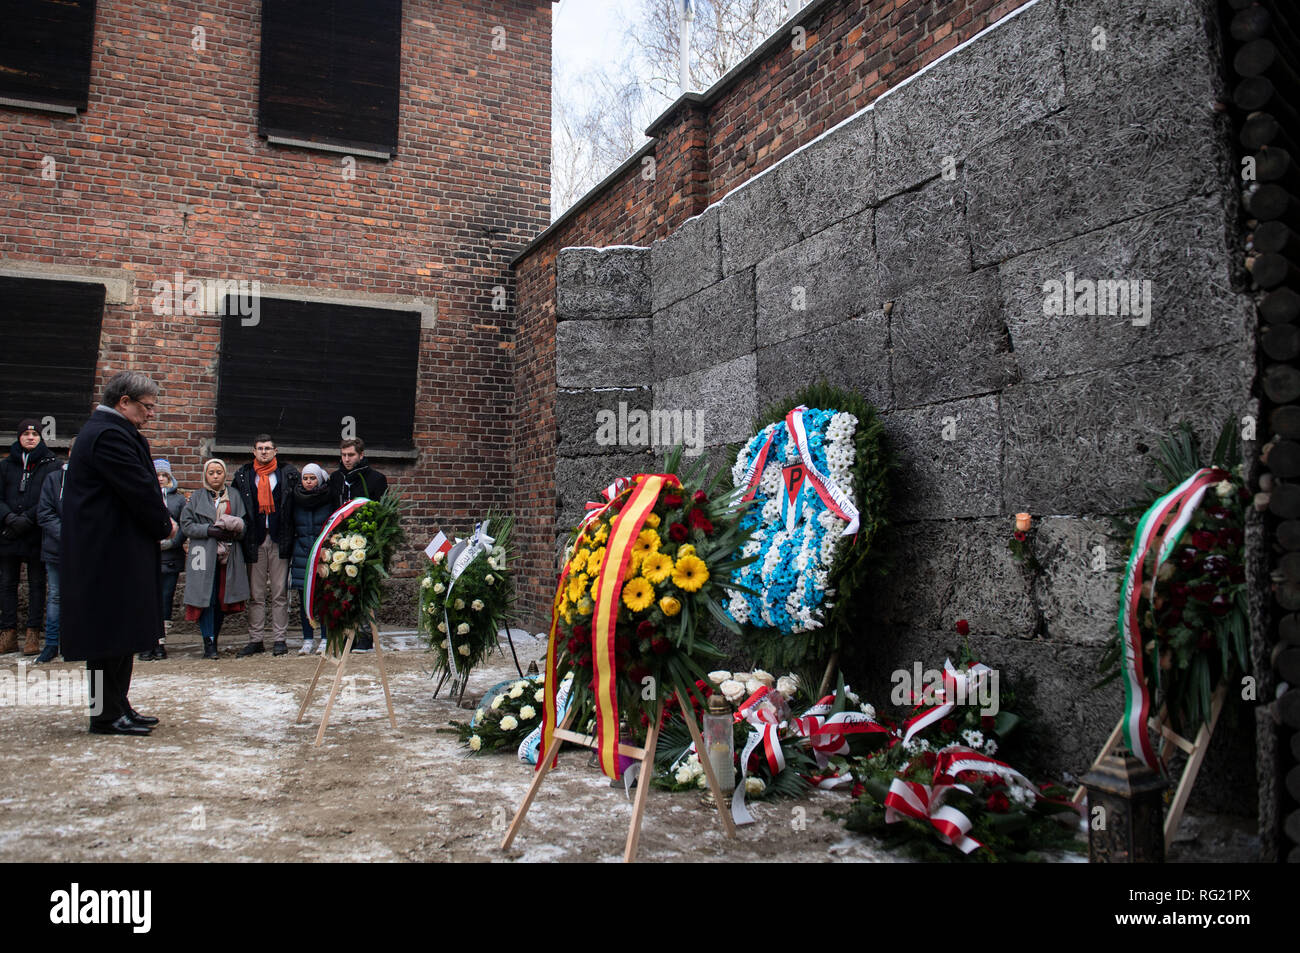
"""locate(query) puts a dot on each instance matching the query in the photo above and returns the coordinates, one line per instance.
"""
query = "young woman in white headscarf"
(216, 576)
(313, 502)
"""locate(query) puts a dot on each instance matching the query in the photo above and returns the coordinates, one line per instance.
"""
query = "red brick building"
(372, 167)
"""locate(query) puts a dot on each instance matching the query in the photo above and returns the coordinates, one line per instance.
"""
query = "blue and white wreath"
(791, 574)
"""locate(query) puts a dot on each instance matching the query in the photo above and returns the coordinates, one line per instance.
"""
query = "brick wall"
(705, 146)
(165, 171)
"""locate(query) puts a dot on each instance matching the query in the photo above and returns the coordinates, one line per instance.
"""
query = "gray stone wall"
(905, 255)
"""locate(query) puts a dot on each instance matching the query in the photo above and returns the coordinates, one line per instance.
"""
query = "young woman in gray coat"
(216, 576)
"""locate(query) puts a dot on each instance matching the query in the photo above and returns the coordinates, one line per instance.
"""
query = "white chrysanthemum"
(516, 691)
(475, 743)
(1020, 795)
(527, 712)
(974, 739)
(771, 511)
(496, 702)
(770, 484)
(990, 747)
(509, 723)
(539, 695)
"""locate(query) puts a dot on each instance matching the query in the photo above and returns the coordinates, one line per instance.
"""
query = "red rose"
(645, 720)
(998, 803)
(986, 722)
(701, 497)
(677, 533)
(1205, 591)
(948, 726)
(1204, 539)
(857, 790)
(1020, 536)
(660, 646)
(580, 631)
(699, 521)
(671, 500)
(574, 644)
(584, 660)
(963, 627)
(638, 672)
(645, 629)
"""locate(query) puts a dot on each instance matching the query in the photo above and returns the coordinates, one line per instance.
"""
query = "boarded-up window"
(330, 73)
(49, 345)
(45, 48)
(302, 367)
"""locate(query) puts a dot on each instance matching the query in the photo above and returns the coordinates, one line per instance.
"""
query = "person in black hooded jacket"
(22, 473)
(354, 478)
(313, 503)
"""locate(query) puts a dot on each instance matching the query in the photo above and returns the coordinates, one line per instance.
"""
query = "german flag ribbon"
(1157, 531)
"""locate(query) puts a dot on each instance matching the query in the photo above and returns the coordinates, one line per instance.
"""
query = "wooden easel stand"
(338, 681)
(645, 755)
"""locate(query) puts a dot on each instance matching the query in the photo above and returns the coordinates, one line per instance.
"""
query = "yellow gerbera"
(690, 573)
(638, 594)
(647, 541)
(596, 560)
(577, 586)
(670, 606)
(657, 567)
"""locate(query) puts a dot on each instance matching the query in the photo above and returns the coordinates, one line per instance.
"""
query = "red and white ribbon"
(923, 803)
(956, 685)
(839, 502)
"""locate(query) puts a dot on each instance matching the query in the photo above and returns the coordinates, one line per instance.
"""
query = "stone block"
(831, 178)
(1007, 78)
(1097, 162)
(688, 260)
(581, 479)
(580, 415)
(755, 223)
(602, 283)
(1087, 443)
(1077, 587)
(819, 282)
(949, 341)
(853, 354)
(720, 397)
(707, 328)
(944, 570)
(921, 237)
(1107, 44)
(603, 353)
(949, 459)
(1176, 255)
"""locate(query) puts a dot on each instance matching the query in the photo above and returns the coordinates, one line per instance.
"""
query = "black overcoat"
(113, 518)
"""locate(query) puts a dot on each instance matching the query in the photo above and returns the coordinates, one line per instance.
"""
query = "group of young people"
(242, 540)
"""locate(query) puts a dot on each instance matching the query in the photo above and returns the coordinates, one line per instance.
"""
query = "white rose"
(754, 786)
(509, 723)
(444, 644)
(475, 743)
(752, 685)
(1223, 488)
(527, 712)
(496, 702)
(489, 579)
(763, 678)
(732, 690)
(477, 605)
(351, 570)
(701, 781)
(439, 589)
(683, 775)
(439, 557)
(462, 629)
(358, 542)
(463, 650)
(442, 627)
(718, 677)
(742, 677)
(460, 604)
(322, 570)
(788, 685)
(516, 691)
(539, 695)
(358, 556)
(427, 583)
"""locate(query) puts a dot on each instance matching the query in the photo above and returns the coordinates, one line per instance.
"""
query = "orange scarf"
(265, 501)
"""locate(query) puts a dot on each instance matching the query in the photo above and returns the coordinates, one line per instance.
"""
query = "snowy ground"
(228, 776)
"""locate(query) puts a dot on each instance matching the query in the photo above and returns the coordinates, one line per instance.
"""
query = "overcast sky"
(587, 32)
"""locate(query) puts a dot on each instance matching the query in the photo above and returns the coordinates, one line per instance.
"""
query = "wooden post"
(643, 780)
(334, 690)
(311, 689)
(543, 767)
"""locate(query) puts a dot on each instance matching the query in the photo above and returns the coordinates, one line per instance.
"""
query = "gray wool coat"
(200, 570)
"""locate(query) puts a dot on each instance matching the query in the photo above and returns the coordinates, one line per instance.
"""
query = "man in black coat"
(267, 486)
(22, 474)
(113, 518)
(352, 479)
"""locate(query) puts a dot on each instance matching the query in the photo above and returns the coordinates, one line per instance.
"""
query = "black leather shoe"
(123, 726)
(210, 648)
(363, 643)
(280, 648)
(148, 721)
(147, 656)
(252, 648)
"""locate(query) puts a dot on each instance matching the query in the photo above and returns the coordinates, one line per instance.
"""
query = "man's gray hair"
(131, 384)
